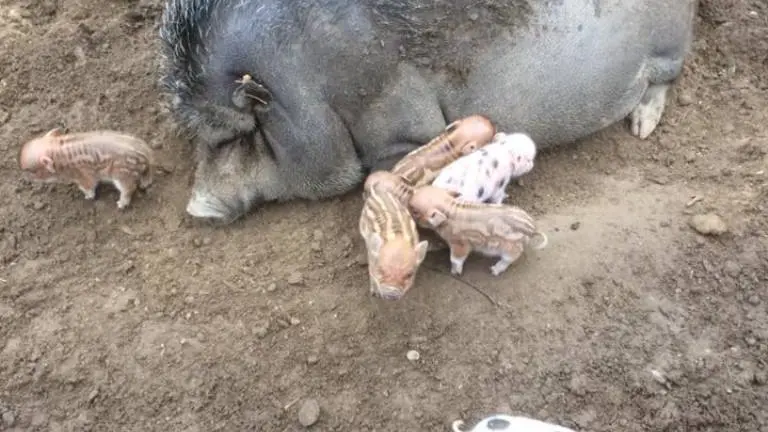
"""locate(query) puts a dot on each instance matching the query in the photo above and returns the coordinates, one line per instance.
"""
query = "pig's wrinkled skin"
(342, 87)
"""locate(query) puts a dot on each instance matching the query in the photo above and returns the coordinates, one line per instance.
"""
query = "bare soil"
(143, 320)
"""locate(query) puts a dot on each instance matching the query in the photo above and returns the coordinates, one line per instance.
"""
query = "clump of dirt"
(141, 320)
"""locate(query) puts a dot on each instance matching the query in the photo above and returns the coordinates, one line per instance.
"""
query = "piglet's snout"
(388, 292)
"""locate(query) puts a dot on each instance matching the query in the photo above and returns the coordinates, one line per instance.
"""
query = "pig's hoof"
(457, 269)
(89, 194)
(647, 114)
(500, 267)
(123, 203)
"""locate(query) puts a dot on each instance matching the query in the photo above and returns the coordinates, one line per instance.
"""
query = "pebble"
(295, 321)
(93, 395)
(754, 300)
(9, 419)
(732, 268)
(261, 332)
(271, 287)
(362, 259)
(575, 226)
(309, 412)
(318, 235)
(684, 99)
(313, 359)
(295, 278)
(708, 224)
(413, 355)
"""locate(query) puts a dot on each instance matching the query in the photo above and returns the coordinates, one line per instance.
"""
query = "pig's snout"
(206, 206)
(388, 292)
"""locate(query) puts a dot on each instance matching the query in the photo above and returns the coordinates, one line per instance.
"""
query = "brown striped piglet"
(87, 159)
(386, 181)
(393, 183)
(392, 242)
(496, 230)
(462, 137)
(483, 175)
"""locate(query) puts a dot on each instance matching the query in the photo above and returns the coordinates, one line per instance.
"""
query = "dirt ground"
(146, 321)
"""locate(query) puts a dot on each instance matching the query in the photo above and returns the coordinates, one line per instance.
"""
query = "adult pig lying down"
(289, 99)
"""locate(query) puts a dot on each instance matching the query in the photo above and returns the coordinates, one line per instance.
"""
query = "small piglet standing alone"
(89, 158)
(484, 174)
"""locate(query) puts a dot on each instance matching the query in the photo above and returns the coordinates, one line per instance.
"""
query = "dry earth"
(143, 321)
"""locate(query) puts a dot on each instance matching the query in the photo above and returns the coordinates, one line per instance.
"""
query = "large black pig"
(294, 99)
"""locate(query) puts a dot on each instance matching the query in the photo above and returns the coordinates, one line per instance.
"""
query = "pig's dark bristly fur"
(417, 31)
(348, 86)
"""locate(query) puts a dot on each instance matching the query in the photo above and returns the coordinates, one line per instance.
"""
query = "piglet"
(88, 158)
(394, 250)
(462, 137)
(385, 181)
(496, 230)
(507, 423)
(483, 175)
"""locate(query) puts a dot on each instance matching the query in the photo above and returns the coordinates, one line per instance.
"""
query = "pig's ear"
(252, 94)
(469, 148)
(436, 218)
(260, 97)
(55, 132)
(47, 162)
(452, 127)
(421, 251)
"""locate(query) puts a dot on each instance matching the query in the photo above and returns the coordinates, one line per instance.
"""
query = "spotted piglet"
(508, 423)
(484, 174)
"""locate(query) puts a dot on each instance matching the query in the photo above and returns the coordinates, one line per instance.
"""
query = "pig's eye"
(409, 275)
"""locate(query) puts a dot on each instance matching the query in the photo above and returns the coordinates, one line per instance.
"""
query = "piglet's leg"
(126, 187)
(498, 197)
(459, 253)
(509, 256)
(87, 185)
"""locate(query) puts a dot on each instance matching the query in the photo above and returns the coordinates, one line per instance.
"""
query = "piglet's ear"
(421, 251)
(436, 218)
(469, 148)
(47, 162)
(55, 132)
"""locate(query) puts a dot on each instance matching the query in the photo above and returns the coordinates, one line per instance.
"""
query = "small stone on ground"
(309, 412)
(708, 224)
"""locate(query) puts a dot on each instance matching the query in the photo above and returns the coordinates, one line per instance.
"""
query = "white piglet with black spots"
(507, 423)
(483, 175)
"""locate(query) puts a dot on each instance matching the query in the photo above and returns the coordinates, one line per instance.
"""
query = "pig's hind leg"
(508, 256)
(126, 187)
